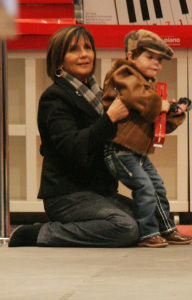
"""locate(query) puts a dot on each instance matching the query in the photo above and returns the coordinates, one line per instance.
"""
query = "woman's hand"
(117, 110)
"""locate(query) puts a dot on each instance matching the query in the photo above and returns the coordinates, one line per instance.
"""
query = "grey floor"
(92, 274)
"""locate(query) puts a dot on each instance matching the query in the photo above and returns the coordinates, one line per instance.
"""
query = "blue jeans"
(87, 219)
(151, 207)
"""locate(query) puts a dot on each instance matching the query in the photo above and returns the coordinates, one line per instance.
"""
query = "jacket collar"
(77, 98)
(120, 62)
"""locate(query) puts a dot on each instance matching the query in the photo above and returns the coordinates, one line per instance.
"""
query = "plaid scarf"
(92, 95)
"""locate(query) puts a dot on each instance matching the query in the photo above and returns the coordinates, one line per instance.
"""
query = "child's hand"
(181, 108)
(165, 106)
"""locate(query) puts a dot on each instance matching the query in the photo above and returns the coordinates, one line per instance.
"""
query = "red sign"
(35, 33)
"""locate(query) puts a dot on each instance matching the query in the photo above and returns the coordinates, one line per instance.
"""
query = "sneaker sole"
(180, 243)
(153, 246)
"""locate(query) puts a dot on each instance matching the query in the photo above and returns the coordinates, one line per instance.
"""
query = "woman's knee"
(126, 231)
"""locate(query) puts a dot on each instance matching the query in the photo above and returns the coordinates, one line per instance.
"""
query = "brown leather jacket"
(137, 130)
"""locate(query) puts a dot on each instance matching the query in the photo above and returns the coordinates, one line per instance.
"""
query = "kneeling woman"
(80, 196)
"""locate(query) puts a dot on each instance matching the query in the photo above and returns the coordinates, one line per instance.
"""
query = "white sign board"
(99, 12)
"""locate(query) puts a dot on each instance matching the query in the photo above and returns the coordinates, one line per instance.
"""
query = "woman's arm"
(74, 137)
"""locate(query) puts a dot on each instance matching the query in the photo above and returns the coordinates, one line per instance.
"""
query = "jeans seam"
(162, 213)
(168, 231)
(123, 166)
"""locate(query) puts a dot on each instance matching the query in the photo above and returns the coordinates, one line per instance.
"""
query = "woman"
(80, 196)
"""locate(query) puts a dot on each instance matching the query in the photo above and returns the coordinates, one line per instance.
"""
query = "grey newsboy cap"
(148, 40)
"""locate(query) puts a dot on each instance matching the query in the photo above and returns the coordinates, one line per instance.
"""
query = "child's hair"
(137, 52)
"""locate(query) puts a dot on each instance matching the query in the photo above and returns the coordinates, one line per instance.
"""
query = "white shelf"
(25, 206)
(17, 130)
(27, 79)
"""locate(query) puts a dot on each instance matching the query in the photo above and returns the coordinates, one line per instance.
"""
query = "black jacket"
(73, 136)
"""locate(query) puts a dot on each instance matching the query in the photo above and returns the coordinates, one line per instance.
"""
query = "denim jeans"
(151, 207)
(87, 219)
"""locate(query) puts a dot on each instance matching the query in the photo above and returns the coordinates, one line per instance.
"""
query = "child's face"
(148, 63)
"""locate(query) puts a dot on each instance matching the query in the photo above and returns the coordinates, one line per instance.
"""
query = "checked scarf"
(92, 95)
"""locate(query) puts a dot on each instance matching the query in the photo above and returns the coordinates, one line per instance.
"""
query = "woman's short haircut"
(59, 43)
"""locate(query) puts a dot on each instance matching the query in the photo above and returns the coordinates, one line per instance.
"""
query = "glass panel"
(16, 91)
(42, 79)
(165, 161)
(17, 167)
(98, 71)
(169, 75)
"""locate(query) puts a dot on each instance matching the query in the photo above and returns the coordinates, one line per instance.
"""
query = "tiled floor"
(92, 274)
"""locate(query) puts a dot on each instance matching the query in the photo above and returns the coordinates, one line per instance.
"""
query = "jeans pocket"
(124, 162)
(110, 165)
(124, 153)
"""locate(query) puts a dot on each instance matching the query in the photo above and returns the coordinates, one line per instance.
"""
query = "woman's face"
(79, 59)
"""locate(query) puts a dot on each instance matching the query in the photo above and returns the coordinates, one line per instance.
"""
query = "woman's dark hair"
(59, 43)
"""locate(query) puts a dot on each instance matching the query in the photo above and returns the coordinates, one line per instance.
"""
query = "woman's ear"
(129, 55)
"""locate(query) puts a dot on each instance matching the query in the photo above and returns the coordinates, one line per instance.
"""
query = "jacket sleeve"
(172, 122)
(134, 92)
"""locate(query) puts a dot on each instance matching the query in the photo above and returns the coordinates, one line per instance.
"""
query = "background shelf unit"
(27, 79)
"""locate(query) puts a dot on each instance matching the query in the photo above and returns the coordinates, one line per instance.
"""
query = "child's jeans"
(151, 207)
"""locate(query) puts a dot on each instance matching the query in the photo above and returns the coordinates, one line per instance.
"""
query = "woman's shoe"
(154, 242)
(177, 238)
(25, 235)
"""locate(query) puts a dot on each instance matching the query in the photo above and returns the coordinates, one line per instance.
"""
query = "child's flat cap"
(148, 40)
